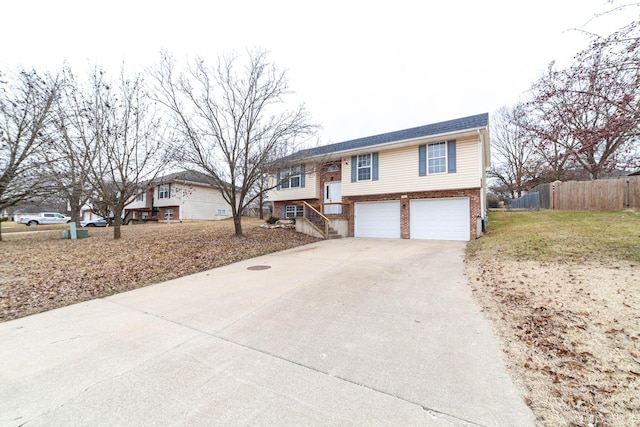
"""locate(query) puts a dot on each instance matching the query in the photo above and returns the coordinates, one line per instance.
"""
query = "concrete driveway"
(340, 332)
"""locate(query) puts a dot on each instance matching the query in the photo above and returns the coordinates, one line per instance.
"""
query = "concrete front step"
(333, 234)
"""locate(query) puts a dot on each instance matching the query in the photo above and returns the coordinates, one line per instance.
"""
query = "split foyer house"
(426, 182)
(186, 195)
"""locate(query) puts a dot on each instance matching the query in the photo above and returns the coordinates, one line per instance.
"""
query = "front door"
(332, 194)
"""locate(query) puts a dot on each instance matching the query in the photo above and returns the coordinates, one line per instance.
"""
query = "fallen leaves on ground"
(571, 335)
(41, 271)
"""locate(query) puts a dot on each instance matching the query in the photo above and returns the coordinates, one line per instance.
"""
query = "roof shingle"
(449, 126)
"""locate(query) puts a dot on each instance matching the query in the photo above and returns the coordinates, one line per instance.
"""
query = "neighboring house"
(427, 182)
(185, 195)
(86, 214)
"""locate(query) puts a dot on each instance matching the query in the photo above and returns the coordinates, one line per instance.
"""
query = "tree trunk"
(261, 205)
(237, 223)
(117, 223)
(75, 211)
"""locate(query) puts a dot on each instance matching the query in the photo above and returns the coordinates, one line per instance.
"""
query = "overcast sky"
(361, 67)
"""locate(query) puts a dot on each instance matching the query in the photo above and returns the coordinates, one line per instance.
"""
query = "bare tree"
(26, 100)
(67, 164)
(548, 133)
(515, 161)
(617, 58)
(120, 130)
(233, 119)
(587, 112)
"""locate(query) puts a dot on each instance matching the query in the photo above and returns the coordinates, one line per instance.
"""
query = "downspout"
(184, 184)
(483, 183)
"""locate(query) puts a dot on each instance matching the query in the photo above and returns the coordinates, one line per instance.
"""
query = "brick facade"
(326, 176)
(405, 198)
(175, 213)
(277, 206)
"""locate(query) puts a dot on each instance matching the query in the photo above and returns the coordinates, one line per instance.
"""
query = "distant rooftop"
(188, 175)
(450, 126)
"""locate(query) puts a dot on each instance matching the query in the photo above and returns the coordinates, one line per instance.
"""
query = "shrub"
(271, 220)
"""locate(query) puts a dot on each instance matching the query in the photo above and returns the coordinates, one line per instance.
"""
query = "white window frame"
(365, 163)
(222, 212)
(140, 197)
(168, 213)
(434, 168)
(292, 211)
(290, 177)
(163, 191)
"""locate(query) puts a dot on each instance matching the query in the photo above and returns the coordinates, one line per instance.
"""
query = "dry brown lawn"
(41, 271)
(563, 291)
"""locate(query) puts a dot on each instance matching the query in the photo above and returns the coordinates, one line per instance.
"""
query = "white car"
(43, 218)
(98, 222)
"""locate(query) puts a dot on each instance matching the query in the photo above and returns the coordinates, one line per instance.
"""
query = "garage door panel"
(440, 219)
(377, 219)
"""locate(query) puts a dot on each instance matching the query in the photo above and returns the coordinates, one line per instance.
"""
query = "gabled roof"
(442, 128)
(191, 176)
(187, 175)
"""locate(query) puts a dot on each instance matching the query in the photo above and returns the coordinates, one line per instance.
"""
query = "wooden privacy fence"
(601, 194)
(530, 201)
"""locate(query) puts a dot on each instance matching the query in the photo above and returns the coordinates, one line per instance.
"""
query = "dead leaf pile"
(42, 271)
(570, 333)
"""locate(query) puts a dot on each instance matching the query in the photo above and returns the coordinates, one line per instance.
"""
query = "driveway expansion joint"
(368, 387)
(293, 362)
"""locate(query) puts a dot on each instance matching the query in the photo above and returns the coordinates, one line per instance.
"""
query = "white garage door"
(377, 219)
(440, 219)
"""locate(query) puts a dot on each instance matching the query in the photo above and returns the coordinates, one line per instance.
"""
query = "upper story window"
(163, 191)
(292, 177)
(140, 197)
(437, 157)
(333, 168)
(364, 167)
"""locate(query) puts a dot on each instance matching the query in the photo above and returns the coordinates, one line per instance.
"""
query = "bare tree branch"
(119, 135)
(26, 101)
(232, 118)
(515, 161)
